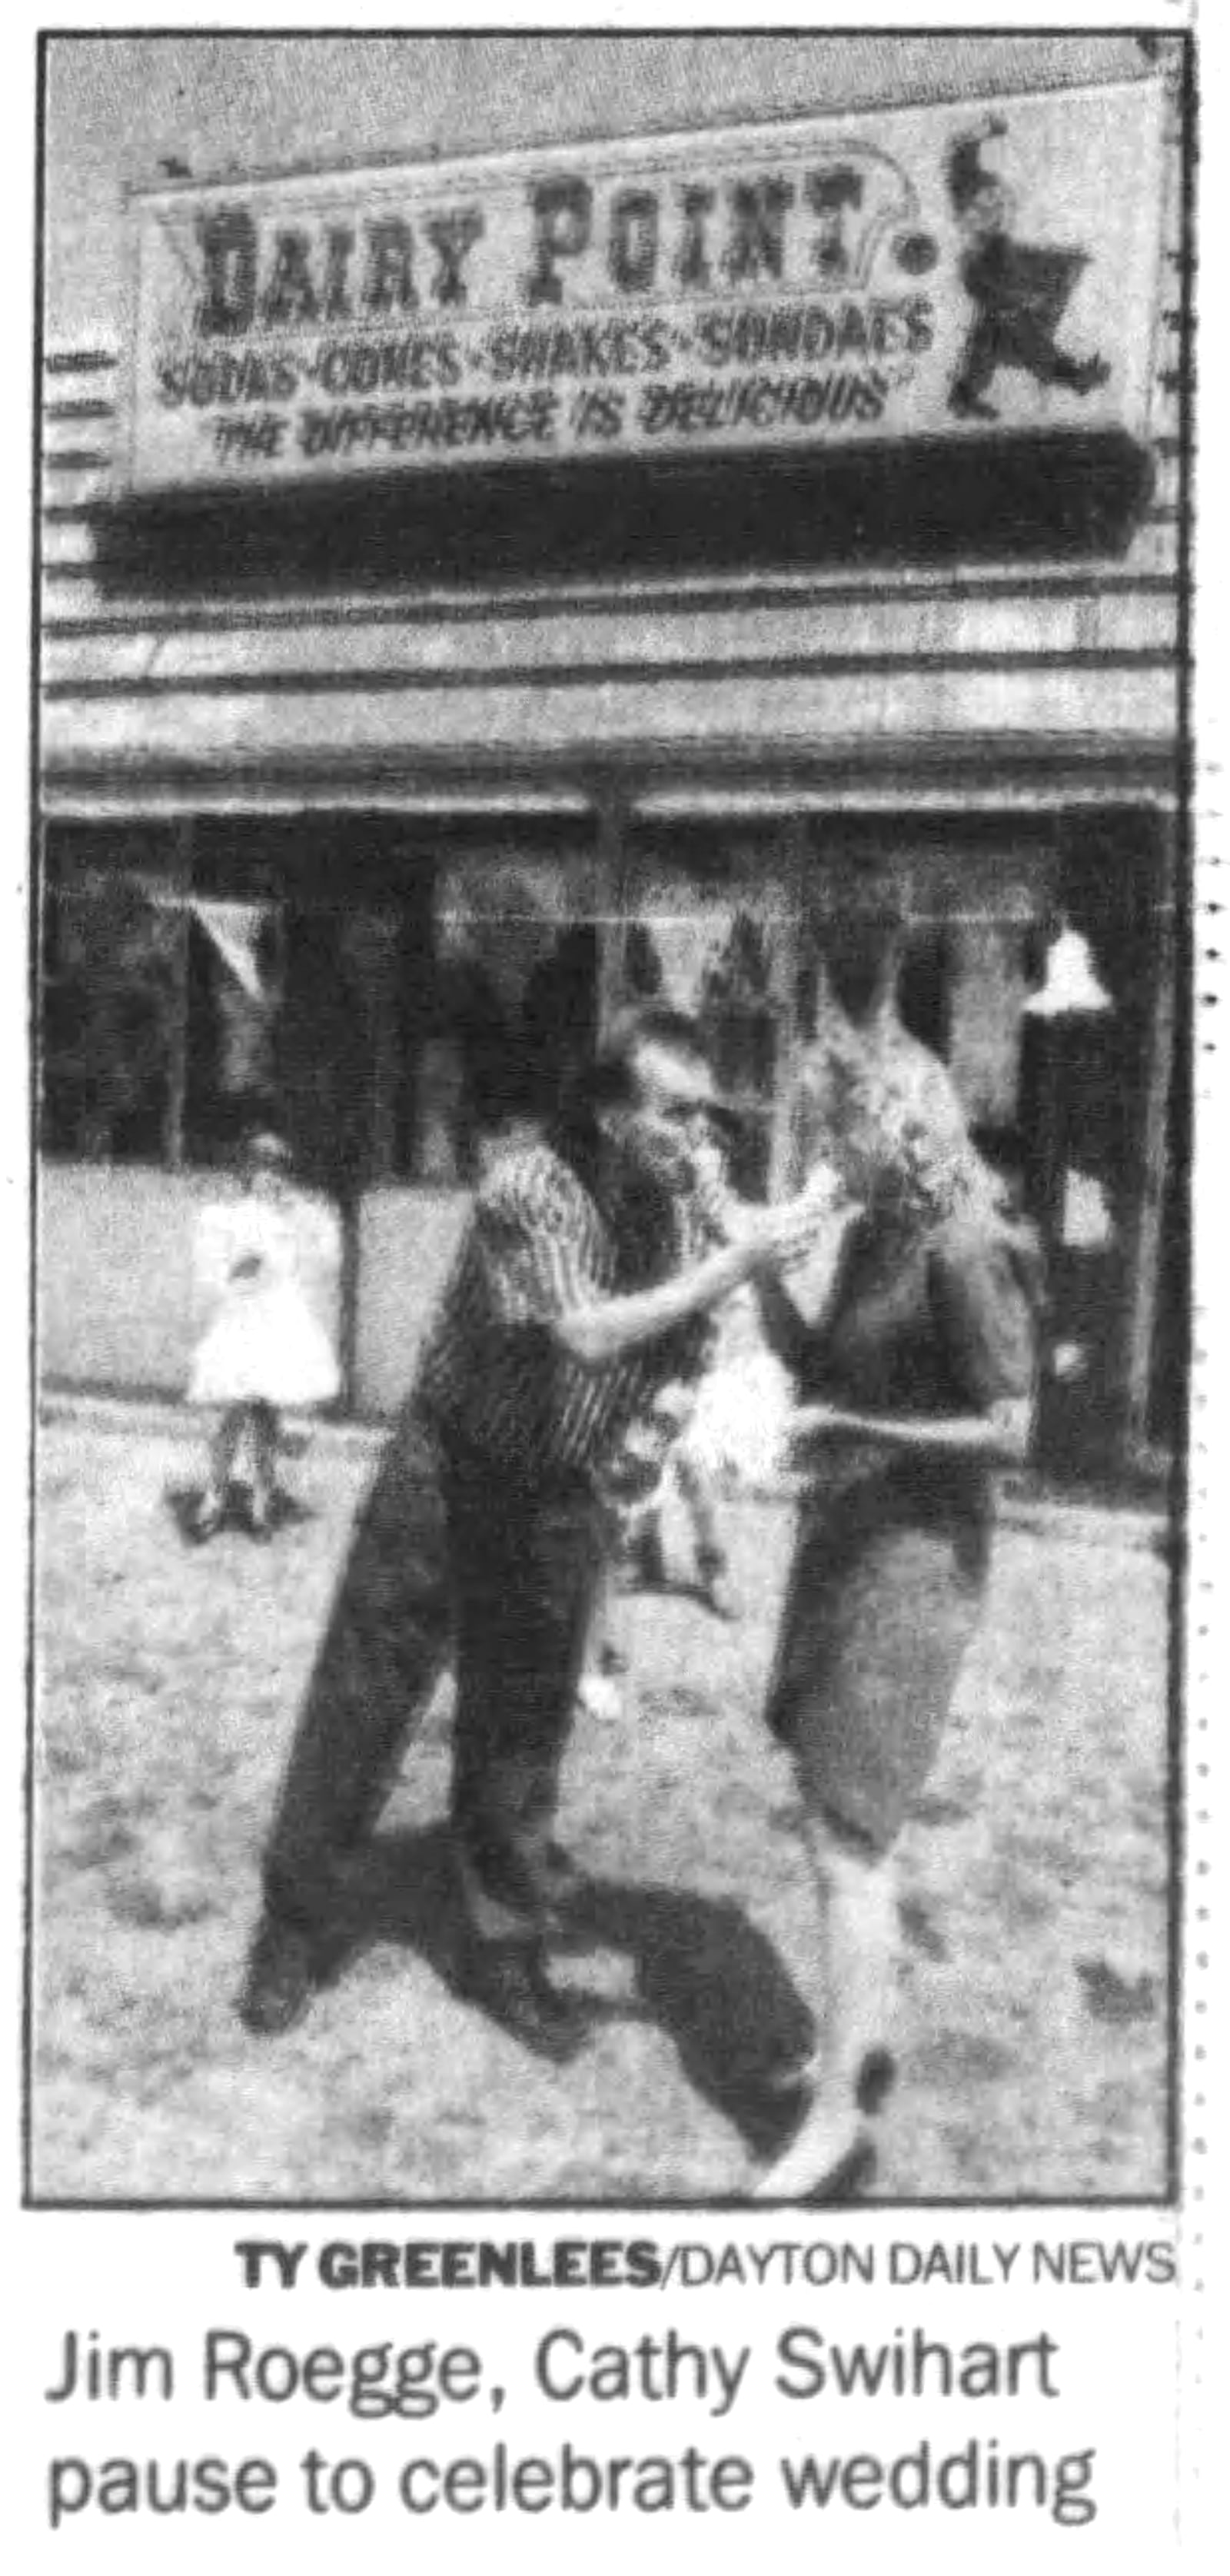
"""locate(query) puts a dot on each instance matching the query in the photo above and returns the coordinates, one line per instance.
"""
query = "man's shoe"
(510, 1984)
(282, 1977)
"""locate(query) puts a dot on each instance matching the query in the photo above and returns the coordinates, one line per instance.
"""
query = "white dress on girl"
(263, 1344)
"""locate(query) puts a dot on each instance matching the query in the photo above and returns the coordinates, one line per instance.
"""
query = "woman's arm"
(1000, 1435)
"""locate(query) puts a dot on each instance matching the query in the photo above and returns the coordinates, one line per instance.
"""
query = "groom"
(582, 1287)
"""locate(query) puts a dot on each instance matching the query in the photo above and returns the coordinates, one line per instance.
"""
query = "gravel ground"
(1034, 1886)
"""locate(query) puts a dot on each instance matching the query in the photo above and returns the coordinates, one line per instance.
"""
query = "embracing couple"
(902, 1297)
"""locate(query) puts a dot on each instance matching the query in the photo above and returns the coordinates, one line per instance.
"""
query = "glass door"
(708, 925)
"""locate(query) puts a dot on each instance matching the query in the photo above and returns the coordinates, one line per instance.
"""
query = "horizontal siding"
(74, 486)
(68, 547)
(465, 730)
(73, 359)
(68, 438)
(80, 434)
(571, 648)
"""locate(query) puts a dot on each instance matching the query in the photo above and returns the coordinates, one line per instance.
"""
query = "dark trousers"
(446, 1558)
(526, 1577)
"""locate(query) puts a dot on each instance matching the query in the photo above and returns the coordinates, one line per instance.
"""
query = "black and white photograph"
(612, 1007)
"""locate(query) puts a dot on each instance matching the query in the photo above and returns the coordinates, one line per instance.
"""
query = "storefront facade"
(482, 594)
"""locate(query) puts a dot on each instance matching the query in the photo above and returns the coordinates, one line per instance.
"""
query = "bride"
(913, 1351)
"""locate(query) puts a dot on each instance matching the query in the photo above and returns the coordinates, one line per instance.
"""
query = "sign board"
(922, 273)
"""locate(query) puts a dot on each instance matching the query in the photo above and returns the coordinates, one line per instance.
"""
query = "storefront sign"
(938, 272)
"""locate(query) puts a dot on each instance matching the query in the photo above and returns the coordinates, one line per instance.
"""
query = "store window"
(388, 1000)
(111, 1001)
(711, 928)
(511, 1007)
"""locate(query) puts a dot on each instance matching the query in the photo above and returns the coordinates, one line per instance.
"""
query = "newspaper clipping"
(614, 1806)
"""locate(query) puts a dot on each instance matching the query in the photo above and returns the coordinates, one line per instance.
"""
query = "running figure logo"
(1020, 290)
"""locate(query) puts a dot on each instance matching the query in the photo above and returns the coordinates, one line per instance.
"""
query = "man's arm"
(540, 1273)
(600, 1331)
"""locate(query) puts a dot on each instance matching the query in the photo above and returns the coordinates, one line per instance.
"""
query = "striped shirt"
(496, 1379)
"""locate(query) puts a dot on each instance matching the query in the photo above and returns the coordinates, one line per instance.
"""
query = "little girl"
(262, 1348)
